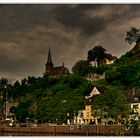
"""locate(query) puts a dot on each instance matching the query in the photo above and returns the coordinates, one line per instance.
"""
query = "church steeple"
(49, 64)
(49, 61)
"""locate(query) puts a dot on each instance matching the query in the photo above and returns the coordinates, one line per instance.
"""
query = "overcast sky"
(27, 32)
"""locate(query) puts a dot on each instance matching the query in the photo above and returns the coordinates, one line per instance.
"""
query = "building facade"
(52, 71)
(134, 99)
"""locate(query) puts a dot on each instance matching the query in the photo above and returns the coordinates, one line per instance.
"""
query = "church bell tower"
(49, 64)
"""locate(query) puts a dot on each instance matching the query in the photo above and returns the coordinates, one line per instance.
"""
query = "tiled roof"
(57, 71)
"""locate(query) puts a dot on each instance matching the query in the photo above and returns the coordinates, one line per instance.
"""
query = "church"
(54, 71)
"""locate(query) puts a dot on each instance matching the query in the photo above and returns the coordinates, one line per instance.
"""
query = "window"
(135, 106)
(81, 115)
(87, 114)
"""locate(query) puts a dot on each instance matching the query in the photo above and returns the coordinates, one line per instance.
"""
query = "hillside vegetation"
(54, 100)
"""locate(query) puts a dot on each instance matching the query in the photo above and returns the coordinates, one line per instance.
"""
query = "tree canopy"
(82, 67)
(111, 102)
(133, 35)
(97, 53)
(52, 103)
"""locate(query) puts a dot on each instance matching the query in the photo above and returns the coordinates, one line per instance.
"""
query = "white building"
(134, 99)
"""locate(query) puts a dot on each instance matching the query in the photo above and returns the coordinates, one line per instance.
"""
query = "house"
(86, 116)
(93, 93)
(133, 97)
(52, 71)
(109, 59)
(79, 119)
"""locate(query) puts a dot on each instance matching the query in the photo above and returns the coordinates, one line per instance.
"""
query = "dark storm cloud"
(18, 17)
(27, 31)
(74, 17)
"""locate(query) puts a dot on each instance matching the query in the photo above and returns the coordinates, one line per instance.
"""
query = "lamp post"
(6, 104)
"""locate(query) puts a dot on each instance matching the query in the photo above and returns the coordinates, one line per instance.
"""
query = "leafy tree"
(66, 97)
(3, 85)
(1, 106)
(31, 81)
(134, 127)
(22, 110)
(82, 67)
(124, 74)
(16, 90)
(112, 102)
(24, 82)
(16, 84)
(133, 35)
(5, 88)
(97, 54)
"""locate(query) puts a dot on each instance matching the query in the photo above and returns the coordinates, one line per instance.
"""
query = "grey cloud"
(27, 31)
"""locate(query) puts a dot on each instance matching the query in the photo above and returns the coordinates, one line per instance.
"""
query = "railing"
(64, 130)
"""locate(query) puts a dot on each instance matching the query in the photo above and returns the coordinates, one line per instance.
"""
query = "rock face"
(95, 77)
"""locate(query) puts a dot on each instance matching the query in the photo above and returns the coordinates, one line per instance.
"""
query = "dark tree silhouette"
(97, 54)
(81, 67)
(133, 35)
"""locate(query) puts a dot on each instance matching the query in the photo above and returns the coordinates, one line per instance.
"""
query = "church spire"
(49, 64)
(49, 61)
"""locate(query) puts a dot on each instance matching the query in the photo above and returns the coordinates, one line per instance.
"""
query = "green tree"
(3, 85)
(24, 82)
(112, 102)
(1, 106)
(98, 54)
(134, 127)
(22, 110)
(124, 75)
(82, 67)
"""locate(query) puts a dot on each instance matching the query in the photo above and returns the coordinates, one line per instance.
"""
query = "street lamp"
(6, 104)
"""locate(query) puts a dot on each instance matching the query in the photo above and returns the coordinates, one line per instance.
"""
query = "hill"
(54, 100)
(132, 56)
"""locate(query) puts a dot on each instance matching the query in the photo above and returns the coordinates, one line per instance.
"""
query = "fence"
(64, 130)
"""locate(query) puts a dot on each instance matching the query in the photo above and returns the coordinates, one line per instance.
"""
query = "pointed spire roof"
(49, 61)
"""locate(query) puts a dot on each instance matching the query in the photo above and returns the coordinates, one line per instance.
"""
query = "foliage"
(134, 127)
(97, 53)
(1, 106)
(51, 102)
(112, 102)
(124, 74)
(133, 35)
(22, 110)
(82, 67)
(124, 59)
(51, 99)
(3, 83)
